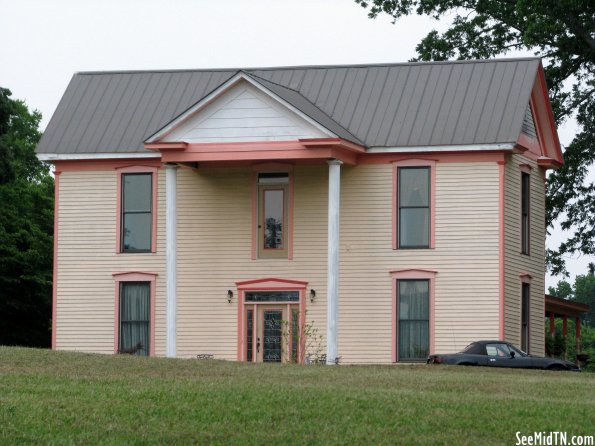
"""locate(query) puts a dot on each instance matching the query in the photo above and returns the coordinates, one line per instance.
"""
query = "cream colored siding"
(214, 252)
(87, 259)
(517, 263)
(465, 257)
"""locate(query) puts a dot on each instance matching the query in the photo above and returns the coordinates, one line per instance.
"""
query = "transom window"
(273, 214)
(272, 296)
(137, 212)
(413, 207)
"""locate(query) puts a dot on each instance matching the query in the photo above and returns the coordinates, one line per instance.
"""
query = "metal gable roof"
(391, 105)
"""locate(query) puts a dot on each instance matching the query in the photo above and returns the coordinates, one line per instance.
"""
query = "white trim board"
(453, 148)
(93, 156)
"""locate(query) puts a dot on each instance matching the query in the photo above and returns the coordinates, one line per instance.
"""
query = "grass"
(51, 397)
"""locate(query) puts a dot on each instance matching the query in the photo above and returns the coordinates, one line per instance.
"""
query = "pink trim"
(501, 312)
(531, 144)
(103, 164)
(547, 143)
(525, 169)
(550, 121)
(442, 157)
(272, 167)
(267, 284)
(548, 163)
(258, 145)
(254, 214)
(55, 266)
(395, 209)
(241, 319)
(526, 278)
(290, 222)
(166, 146)
(413, 273)
(155, 176)
(326, 142)
(135, 276)
(528, 319)
(270, 283)
(254, 152)
(421, 274)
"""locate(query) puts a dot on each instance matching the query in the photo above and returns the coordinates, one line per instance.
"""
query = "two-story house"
(396, 210)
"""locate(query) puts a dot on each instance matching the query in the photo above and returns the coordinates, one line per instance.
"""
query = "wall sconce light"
(312, 295)
(229, 296)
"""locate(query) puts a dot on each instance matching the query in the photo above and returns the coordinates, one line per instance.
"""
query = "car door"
(499, 356)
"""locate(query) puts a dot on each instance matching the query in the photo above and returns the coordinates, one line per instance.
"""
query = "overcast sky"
(45, 41)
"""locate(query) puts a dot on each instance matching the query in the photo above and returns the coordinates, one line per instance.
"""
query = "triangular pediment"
(538, 129)
(241, 111)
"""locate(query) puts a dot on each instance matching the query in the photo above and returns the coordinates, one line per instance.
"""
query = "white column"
(334, 195)
(171, 174)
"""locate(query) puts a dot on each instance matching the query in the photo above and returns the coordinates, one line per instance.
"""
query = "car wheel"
(556, 368)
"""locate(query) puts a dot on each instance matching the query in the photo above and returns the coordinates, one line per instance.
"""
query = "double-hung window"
(525, 209)
(413, 324)
(134, 323)
(136, 212)
(525, 302)
(413, 204)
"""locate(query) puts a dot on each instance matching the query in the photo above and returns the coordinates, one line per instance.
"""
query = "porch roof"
(564, 307)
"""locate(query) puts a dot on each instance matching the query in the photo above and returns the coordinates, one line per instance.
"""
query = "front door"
(269, 326)
(269, 334)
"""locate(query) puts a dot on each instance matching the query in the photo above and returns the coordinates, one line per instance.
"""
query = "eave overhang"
(545, 148)
(319, 149)
(564, 307)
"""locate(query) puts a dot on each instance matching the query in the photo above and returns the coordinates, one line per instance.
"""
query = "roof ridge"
(303, 67)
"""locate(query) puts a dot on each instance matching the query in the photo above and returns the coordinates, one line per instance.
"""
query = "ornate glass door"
(269, 326)
(271, 332)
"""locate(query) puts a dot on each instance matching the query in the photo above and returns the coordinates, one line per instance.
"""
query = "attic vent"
(528, 127)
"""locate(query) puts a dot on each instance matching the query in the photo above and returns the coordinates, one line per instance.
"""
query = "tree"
(584, 292)
(563, 33)
(563, 290)
(26, 229)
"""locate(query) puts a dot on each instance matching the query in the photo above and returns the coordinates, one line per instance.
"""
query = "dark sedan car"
(500, 354)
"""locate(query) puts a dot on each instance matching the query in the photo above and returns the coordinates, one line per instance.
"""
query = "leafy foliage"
(562, 32)
(565, 348)
(26, 229)
(563, 289)
(582, 291)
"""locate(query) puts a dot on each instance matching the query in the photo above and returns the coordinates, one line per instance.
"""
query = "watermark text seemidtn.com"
(553, 439)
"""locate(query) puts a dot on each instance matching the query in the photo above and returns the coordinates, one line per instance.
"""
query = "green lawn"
(72, 398)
